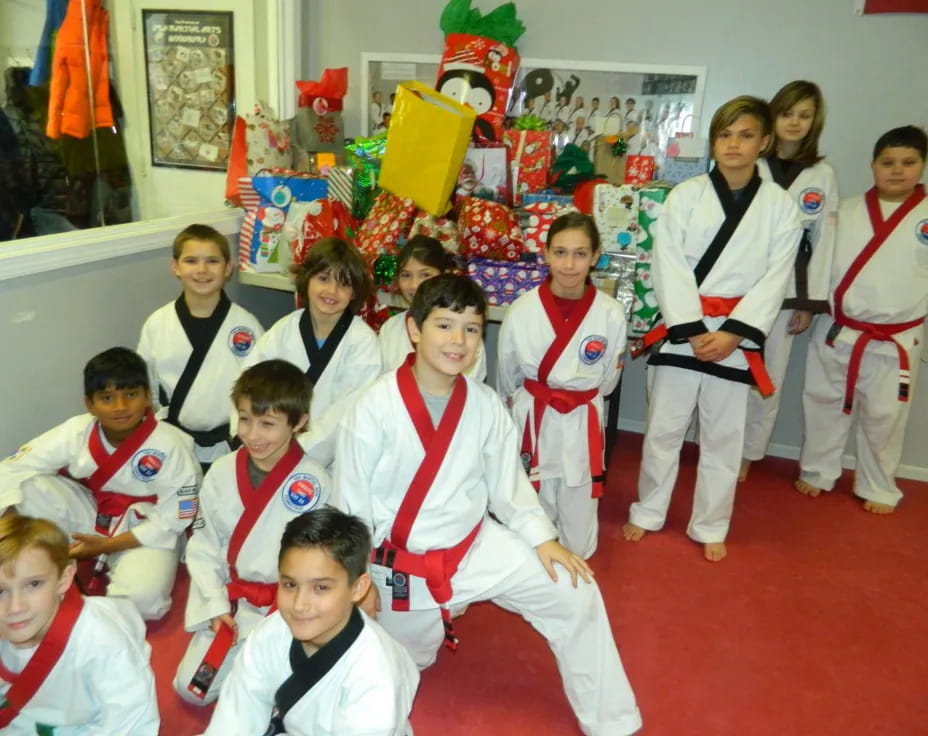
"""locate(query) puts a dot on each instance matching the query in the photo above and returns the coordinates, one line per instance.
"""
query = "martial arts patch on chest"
(241, 340)
(811, 200)
(146, 464)
(301, 492)
(593, 348)
(921, 232)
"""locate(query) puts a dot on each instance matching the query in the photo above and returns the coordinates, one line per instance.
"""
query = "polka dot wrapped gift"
(536, 219)
(489, 230)
(505, 281)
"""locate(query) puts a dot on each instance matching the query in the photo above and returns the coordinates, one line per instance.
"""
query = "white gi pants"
(762, 411)
(144, 575)
(881, 418)
(573, 620)
(721, 406)
(574, 512)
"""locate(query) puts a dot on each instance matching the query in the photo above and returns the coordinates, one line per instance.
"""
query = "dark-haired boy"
(246, 500)
(196, 346)
(123, 484)
(318, 666)
(428, 494)
(865, 354)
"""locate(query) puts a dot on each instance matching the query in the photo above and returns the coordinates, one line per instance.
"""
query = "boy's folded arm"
(45, 455)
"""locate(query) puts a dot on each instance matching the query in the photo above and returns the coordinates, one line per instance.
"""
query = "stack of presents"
(450, 165)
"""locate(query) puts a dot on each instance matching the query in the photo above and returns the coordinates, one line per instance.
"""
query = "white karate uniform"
(614, 122)
(355, 362)
(562, 113)
(101, 684)
(377, 453)
(395, 345)
(166, 349)
(545, 111)
(577, 112)
(815, 192)
(891, 288)
(633, 118)
(592, 359)
(756, 265)
(165, 467)
(220, 509)
(369, 691)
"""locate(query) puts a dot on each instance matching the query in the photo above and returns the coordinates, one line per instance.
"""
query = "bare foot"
(745, 469)
(878, 508)
(805, 488)
(633, 533)
(715, 551)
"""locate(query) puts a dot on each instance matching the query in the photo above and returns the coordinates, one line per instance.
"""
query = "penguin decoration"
(464, 79)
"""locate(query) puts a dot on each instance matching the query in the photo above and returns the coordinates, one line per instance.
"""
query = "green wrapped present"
(644, 309)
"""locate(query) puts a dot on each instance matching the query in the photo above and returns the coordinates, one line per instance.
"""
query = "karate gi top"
(102, 684)
(893, 285)
(164, 467)
(590, 360)
(395, 345)
(378, 451)
(756, 265)
(166, 349)
(368, 692)
(815, 192)
(355, 363)
(305, 488)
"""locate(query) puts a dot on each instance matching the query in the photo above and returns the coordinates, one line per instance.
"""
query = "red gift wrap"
(639, 170)
(537, 219)
(479, 72)
(489, 230)
(387, 222)
(530, 154)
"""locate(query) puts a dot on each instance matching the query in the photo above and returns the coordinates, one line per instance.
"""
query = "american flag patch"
(187, 508)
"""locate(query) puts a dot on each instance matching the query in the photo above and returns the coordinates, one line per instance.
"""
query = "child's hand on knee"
(553, 551)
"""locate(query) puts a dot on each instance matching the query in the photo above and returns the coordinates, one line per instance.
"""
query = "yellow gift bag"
(426, 144)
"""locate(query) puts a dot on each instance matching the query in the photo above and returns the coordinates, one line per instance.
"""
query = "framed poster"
(190, 73)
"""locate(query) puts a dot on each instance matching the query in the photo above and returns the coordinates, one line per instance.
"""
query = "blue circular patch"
(241, 340)
(811, 200)
(146, 464)
(921, 232)
(592, 348)
(301, 493)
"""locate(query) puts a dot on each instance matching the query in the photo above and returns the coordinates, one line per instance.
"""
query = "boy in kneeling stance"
(68, 663)
(424, 457)
(246, 501)
(865, 355)
(318, 666)
(123, 484)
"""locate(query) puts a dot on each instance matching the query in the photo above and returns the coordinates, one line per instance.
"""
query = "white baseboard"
(791, 452)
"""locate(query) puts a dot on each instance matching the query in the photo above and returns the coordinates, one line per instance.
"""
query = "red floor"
(815, 624)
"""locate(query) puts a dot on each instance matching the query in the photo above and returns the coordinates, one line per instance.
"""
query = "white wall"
(20, 27)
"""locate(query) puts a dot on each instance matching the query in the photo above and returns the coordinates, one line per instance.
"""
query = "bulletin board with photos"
(190, 76)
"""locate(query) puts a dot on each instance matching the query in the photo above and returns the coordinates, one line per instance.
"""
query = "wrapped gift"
(318, 125)
(639, 170)
(489, 230)
(615, 211)
(503, 281)
(309, 222)
(387, 222)
(341, 184)
(270, 194)
(684, 159)
(536, 219)
(440, 228)
(426, 144)
(644, 308)
(615, 275)
(259, 141)
(478, 72)
(607, 162)
(365, 156)
(484, 174)
(530, 154)
(565, 200)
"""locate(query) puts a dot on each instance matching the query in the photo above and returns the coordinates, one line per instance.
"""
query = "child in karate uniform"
(555, 376)
(724, 252)
(318, 666)
(865, 355)
(246, 500)
(429, 461)
(68, 664)
(419, 259)
(195, 347)
(326, 339)
(123, 484)
(794, 163)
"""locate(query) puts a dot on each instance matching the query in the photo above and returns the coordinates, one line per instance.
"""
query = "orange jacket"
(69, 111)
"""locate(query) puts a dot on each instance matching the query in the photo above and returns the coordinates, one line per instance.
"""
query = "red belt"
(563, 401)
(113, 505)
(436, 567)
(722, 306)
(257, 594)
(873, 331)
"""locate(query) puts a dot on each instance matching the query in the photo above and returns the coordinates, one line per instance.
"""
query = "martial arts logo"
(592, 349)
(921, 232)
(811, 200)
(301, 493)
(146, 464)
(240, 341)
